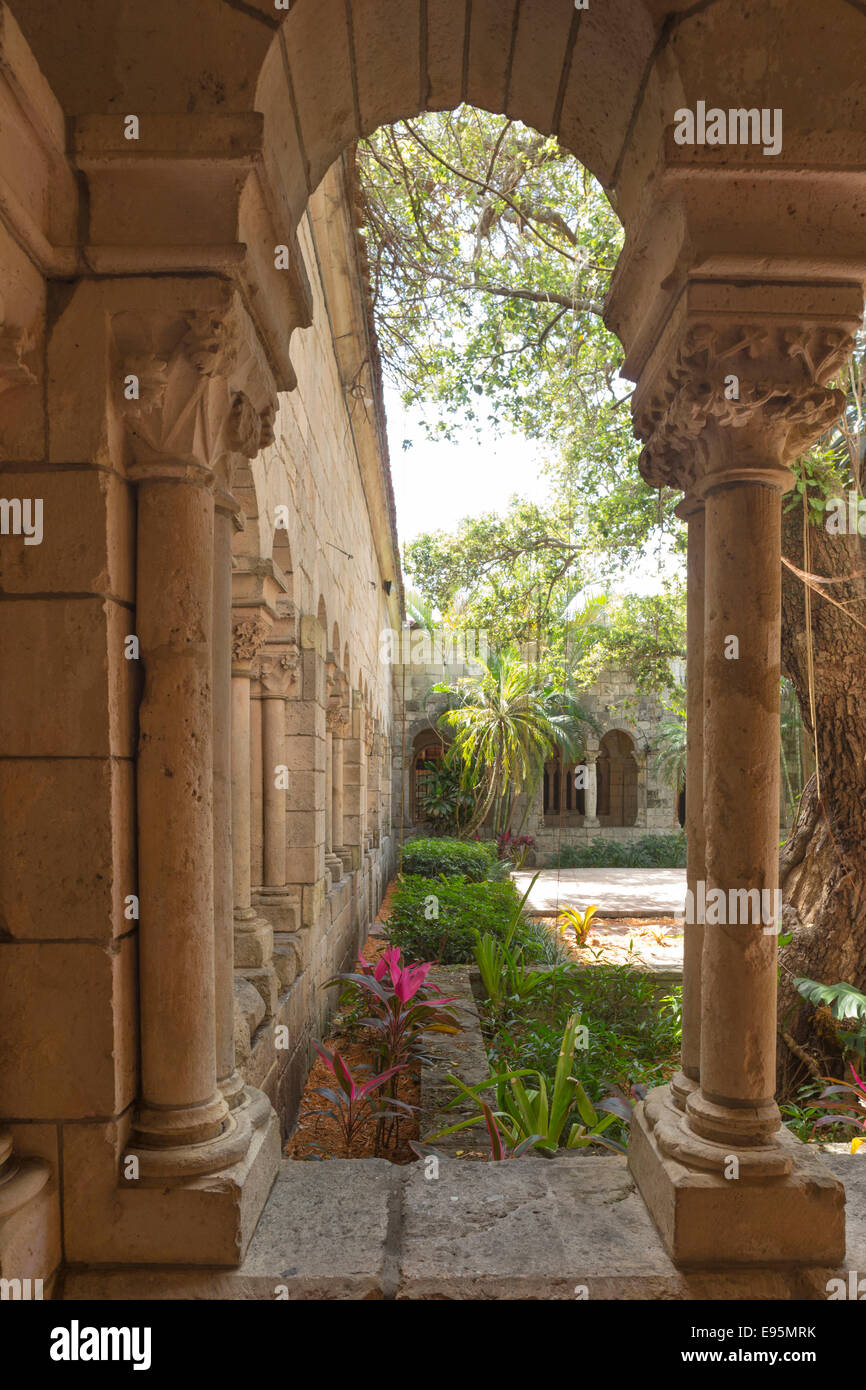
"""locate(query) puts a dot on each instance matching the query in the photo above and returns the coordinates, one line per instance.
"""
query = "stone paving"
(618, 892)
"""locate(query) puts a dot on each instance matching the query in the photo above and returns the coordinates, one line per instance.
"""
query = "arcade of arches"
(196, 831)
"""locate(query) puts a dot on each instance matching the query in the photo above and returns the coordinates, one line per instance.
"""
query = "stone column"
(254, 937)
(742, 666)
(353, 787)
(181, 1105)
(21, 1179)
(723, 1181)
(590, 800)
(279, 678)
(305, 754)
(226, 520)
(274, 783)
(336, 718)
(686, 1079)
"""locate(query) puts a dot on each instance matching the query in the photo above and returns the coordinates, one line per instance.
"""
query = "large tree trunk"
(823, 864)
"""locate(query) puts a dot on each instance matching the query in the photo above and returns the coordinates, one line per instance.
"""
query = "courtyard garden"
(568, 1039)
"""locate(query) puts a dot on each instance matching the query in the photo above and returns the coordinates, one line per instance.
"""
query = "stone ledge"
(526, 1229)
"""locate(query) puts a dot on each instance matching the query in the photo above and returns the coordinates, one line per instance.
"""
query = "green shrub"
(433, 918)
(649, 852)
(463, 858)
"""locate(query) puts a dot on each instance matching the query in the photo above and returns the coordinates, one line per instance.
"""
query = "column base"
(334, 865)
(279, 906)
(194, 1160)
(182, 1219)
(682, 1087)
(704, 1218)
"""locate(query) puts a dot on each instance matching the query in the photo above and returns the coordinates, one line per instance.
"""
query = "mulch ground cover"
(316, 1131)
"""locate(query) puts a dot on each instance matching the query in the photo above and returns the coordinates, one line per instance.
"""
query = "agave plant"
(502, 969)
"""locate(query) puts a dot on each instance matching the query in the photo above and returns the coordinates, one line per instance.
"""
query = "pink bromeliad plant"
(354, 1101)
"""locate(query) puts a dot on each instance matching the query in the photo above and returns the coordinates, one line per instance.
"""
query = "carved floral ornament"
(768, 380)
(193, 386)
(248, 637)
(337, 690)
(278, 671)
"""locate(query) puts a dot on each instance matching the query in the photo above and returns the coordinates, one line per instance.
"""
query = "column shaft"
(693, 935)
(180, 1100)
(229, 1080)
(274, 792)
(337, 792)
(241, 803)
(741, 796)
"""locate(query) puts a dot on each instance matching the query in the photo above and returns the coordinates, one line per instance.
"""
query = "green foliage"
(580, 922)
(434, 918)
(846, 1004)
(447, 802)
(649, 852)
(633, 1036)
(491, 252)
(505, 725)
(801, 1114)
(670, 759)
(646, 636)
(559, 1116)
(460, 858)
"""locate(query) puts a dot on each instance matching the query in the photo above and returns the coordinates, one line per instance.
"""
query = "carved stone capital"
(249, 635)
(740, 400)
(369, 733)
(192, 386)
(278, 669)
(337, 694)
(336, 719)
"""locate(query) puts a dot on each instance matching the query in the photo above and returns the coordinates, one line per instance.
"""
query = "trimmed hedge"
(463, 858)
(458, 906)
(649, 852)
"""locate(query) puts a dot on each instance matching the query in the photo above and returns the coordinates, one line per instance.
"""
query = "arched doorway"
(428, 751)
(617, 780)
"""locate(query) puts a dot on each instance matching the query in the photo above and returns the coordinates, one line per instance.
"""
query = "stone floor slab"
(618, 892)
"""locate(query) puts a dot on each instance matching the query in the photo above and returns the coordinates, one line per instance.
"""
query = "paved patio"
(618, 892)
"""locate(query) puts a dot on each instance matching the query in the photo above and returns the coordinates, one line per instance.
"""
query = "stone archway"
(617, 774)
(173, 256)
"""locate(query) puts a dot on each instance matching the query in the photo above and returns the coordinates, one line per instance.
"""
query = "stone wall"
(309, 564)
(613, 702)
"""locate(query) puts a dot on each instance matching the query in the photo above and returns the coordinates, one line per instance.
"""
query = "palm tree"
(671, 751)
(505, 726)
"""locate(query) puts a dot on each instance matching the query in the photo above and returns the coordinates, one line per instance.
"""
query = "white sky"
(437, 484)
